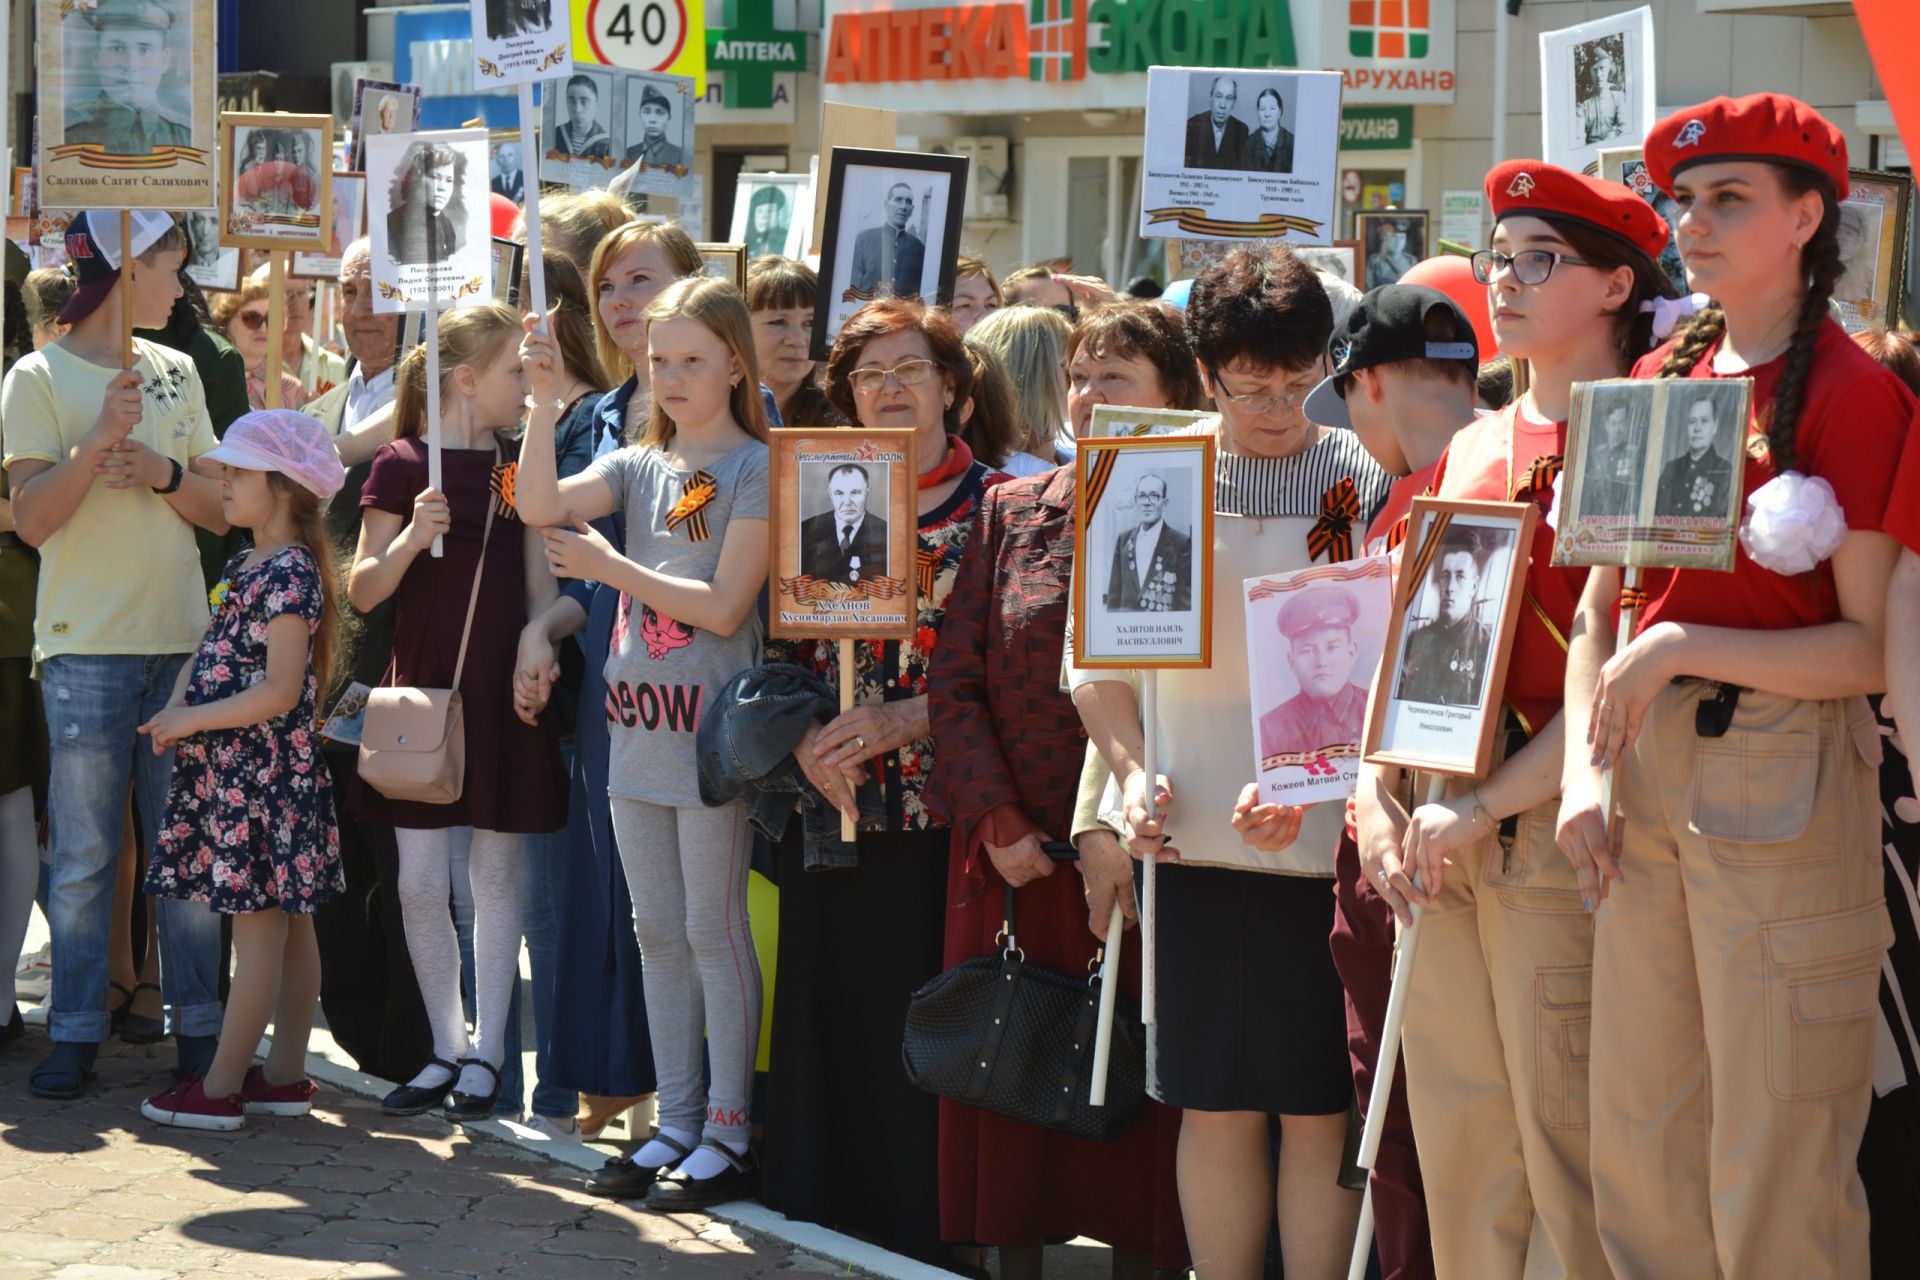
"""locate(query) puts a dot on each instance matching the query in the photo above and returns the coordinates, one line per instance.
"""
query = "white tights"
(494, 870)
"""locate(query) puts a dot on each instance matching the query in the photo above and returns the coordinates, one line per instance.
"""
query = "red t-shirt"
(1396, 508)
(1903, 508)
(1491, 460)
(1852, 429)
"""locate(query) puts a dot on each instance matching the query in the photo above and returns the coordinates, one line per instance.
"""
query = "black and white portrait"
(1142, 562)
(505, 18)
(580, 129)
(1859, 236)
(1334, 259)
(428, 218)
(659, 130)
(128, 89)
(1704, 429)
(381, 106)
(210, 264)
(277, 173)
(520, 42)
(506, 171)
(1613, 463)
(1597, 87)
(763, 213)
(843, 523)
(1448, 641)
(1240, 120)
(1151, 561)
(1600, 91)
(891, 227)
(1396, 239)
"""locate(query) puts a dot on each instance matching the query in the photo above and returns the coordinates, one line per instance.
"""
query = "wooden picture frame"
(509, 264)
(1436, 699)
(725, 262)
(861, 183)
(818, 588)
(405, 115)
(270, 196)
(1875, 222)
(1177, 586)
(1369, 225)
(1122, 420)
(1342, 258)
(1638, 490)
(349, 224)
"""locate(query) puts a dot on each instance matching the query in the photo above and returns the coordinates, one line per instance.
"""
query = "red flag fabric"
(1892, 30)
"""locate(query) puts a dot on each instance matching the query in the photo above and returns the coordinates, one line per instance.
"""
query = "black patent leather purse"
(997, 1033)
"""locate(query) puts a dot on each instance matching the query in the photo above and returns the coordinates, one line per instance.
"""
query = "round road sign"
(641, 35)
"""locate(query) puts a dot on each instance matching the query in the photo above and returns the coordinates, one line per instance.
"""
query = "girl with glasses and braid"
(1736, 882)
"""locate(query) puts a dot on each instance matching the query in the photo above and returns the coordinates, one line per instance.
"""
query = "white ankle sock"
(658, 1155)
(431, 1075)
(707, 1163)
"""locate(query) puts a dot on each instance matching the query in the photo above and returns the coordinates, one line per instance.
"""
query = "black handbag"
(997, 1033)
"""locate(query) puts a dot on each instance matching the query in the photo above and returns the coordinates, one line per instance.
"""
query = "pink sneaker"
(187, 1106)
(263, 1099)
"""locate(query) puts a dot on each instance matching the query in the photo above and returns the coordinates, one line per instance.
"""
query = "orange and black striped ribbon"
(1196, 222)
(1332, 533)
(690, 509)
(1099, 472)
(929, 564)
(1413, 573)
(94, 156)
(1538, 482)
(504, 481)
(1632, 598)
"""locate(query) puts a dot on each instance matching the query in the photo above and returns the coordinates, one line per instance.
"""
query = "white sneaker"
(553, 1126)
(34, 978)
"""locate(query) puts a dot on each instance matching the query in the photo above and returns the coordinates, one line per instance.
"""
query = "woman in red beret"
(1740, 922)
(1496, 1056)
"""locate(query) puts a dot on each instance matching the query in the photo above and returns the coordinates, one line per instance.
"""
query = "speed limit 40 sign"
(641, 35)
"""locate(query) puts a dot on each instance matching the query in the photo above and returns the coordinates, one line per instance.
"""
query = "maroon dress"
(1010, 750)
(514, 781)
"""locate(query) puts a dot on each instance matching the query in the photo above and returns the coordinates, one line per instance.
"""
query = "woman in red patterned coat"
(1008, 766)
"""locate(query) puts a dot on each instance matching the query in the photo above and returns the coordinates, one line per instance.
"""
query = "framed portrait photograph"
(276, 191)
(577, 119)
(658, 132)
(210, 264)
(1628, 165)
(1314, 640)
(1234, 154)
(509, 263)
(515, 41)
(1654, 473)
(845, 551)
(1392, 241)
(1596, 86)
(1437, 696)
(892, 228)
(428, 220)
(1143, 550)
(345, 76)
(1342, 258)
(382, 106)
(506, 166)
(1874, 220)
(771, 213)
(349, 224)
(725, 262)
(1120, 420)
(127, 85)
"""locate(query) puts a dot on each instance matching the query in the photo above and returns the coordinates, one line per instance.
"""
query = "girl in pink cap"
(249, 820)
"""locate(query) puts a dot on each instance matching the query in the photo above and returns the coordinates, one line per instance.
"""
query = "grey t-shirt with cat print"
(662, 674)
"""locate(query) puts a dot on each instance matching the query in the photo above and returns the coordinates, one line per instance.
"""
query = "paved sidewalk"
(91, 1190)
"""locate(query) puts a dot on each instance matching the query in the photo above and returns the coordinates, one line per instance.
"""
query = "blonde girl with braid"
(1739, 919)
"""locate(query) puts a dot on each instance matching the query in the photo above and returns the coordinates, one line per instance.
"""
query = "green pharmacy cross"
(751, 51)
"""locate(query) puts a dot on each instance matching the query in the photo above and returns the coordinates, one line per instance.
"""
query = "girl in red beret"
(1497, 1011)
(1739, 914)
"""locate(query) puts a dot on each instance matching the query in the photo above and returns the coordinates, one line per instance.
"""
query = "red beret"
(1761, 126)
(1537, 189)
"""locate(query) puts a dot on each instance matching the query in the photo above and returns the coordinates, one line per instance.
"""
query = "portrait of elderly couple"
(1241, 122)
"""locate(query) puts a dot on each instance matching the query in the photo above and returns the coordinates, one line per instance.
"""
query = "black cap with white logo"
(1387, 325)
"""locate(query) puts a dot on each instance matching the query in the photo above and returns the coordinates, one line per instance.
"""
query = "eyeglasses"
(1255, 403)
(254, 320)
(1530, 267)
(908, 373)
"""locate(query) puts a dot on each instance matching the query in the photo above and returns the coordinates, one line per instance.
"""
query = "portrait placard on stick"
(1436, 699)
(210, 264)
(1654, 472)
(725, 262)
(516, 41)
(382, 106)
(1241, 155)
(1313, 637)
(845, 563)
(1391, 242)
(1121, 420)
(598, 123)
(772, 213)
(1873, 250)
(1596, 88)
(1143, 550)
(893, 227)
(127, 115)
(1628, 166)
(509, 261)
(349, 224)
(276, 191)
(428, 219)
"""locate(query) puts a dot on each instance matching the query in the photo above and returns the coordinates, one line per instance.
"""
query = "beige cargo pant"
(1496, 1062)
(1735, 979)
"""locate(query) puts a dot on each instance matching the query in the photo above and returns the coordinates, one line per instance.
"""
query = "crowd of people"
(1645, 1034)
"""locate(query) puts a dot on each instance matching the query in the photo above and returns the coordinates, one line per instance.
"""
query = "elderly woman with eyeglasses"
(850, 1143)
(242, 316)
(1250, 1022)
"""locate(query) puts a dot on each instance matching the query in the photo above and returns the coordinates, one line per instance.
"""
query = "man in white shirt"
(369, 388)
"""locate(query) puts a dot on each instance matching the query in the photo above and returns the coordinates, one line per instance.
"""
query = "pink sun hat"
(284, 440)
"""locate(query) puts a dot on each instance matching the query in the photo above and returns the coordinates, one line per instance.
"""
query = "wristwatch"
(172, 485)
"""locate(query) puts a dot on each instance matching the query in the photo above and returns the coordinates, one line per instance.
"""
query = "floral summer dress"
(249, 818)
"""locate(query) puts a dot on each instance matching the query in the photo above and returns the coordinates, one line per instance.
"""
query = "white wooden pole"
(1109, 983)
(1149, 722)
(536, 265)
(433, 410)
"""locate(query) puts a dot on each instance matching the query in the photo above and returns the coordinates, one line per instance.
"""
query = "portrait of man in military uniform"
(1610, 485)
(652, 120)
(1330, 709)
(1153, 561)
(130, 55)
(1445, 658)
(1699, 481)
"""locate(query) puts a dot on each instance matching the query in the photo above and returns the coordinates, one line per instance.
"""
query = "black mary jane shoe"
(621, 1179)
(474, 1106)
(416, 1100)
(735, 1182)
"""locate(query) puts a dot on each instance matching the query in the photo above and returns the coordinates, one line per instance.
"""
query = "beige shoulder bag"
(413, 743)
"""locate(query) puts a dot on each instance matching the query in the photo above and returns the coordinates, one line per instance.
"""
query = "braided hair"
(1820, 260)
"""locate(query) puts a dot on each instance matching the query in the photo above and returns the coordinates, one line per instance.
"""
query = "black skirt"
(1249, 1014)
(849, 1143)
